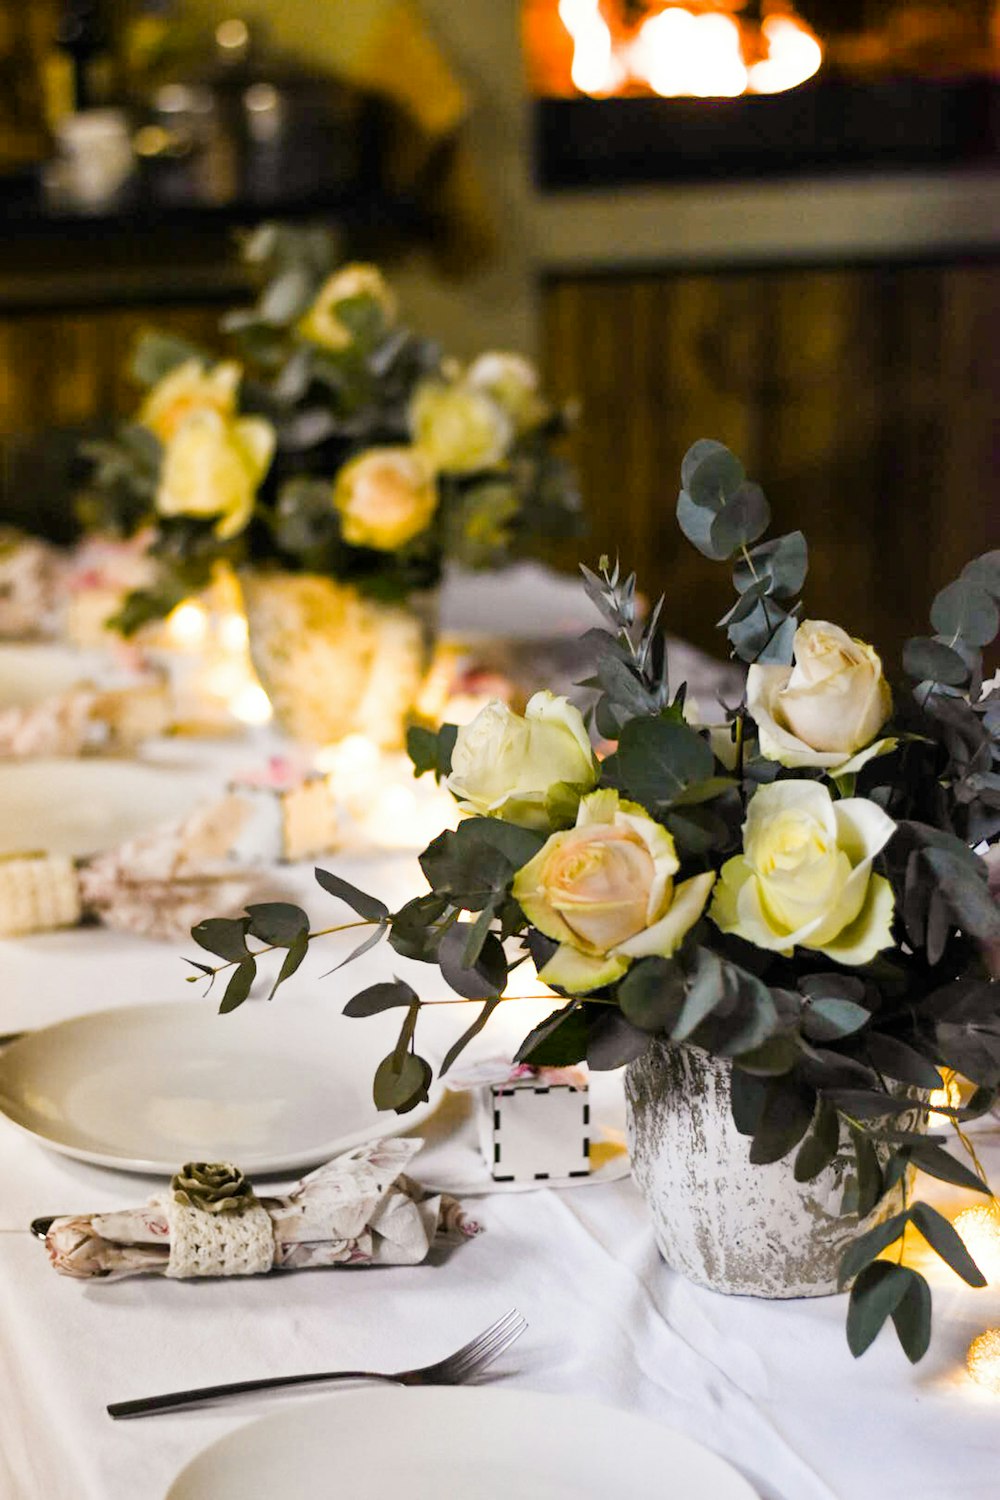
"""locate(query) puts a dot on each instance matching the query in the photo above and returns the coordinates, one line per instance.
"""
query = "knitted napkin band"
(38, 892)
(221, 1244)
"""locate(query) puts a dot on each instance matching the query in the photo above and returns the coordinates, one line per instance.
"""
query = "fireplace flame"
(678, 52)
(793, 55)
(697, 54)
(596, 69)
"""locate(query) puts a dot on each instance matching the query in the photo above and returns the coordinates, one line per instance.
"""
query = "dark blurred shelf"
(828, 126)
(143, 249)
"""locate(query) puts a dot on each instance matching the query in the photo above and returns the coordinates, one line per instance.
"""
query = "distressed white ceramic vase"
(721, 1221)
(335, 662)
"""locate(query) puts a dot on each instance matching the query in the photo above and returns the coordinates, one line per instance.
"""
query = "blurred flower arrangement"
(340, 444)
(798, 891)
(340, 453)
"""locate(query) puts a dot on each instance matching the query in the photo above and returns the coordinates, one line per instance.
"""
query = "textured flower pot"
(333, 662)
(723, 1222)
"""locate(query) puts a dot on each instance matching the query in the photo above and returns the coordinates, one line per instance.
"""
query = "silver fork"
(455, 1370)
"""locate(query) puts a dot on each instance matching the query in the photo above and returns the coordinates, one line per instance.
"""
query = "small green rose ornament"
(217, 1187)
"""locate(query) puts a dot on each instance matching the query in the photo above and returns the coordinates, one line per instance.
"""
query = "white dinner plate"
(485, 1444)
(29, 674)
(80, 807)
(273, 1088)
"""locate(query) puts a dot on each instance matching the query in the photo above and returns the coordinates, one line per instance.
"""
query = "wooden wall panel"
(863, 400)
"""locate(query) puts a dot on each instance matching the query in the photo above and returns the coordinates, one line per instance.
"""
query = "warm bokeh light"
(596, 68)
(793, 55)
(983, 1360)
(948, 1097)
(383, 805)
(680, 52)
(187, 626)
(251, 705)
(980, 1229)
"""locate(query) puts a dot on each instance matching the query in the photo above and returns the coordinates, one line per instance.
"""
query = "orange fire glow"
(703, 54)
(597, 69)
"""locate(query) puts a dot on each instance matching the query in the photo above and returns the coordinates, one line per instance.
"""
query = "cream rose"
(321, 325)
(189, 388)
(461, 429)
(829, 706)
(385, 497)
(213, 466)
(512, 381)
(605, 891)
(804, 879)
(504, 766)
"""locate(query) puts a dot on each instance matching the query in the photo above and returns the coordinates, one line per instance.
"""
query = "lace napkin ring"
(239, 1242)
(38, 893)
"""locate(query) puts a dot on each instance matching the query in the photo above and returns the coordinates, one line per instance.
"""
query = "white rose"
(213, 466)
(804, 878)
(385, 497)
(605, 892)
(460, 429)
(512, 381)
(503, 765)
(830, 705)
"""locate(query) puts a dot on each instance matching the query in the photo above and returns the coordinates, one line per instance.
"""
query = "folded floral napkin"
(31, 576)
(85, 718)
(358, 1210)
(158, 885)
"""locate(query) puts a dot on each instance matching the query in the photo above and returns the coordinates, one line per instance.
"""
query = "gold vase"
(334, 662)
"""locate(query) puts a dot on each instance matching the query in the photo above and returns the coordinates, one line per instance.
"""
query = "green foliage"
(830, 1064)
(723, 514)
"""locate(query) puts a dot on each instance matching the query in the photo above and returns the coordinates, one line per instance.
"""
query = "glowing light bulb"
(983, 1360)
(980, 1229)
(234, 632)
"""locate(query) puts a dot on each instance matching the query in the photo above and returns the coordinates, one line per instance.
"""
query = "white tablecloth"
(769, 1385)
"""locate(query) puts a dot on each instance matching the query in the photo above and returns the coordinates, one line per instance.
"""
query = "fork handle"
(176, 1400)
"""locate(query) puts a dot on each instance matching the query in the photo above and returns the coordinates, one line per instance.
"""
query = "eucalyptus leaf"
(869, 1245)
(930, 660)
(898, 1060)
(710, 472)
(223, 936)
(297, 950)
(967, 611)
(912, 1318)
(785, 1118)
(658, 759)
(277, 923)
(744, 517)
(821, 1144)
(468, 1035)
(947, 1242)
(876, 1294)
(483, 979)
(936, 1162)
(612, 1041)
(239, 986)
(386, 995)
(652, 994)
(559, 1041)
(402, 1088)
(366, 906)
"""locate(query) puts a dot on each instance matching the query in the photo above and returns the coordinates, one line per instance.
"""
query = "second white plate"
(273, 1088)
(81, 807)
(425, 1443)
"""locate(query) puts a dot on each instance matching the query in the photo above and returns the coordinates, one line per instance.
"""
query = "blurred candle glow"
(980, 1229)
(983, 1360)
(596, 68)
